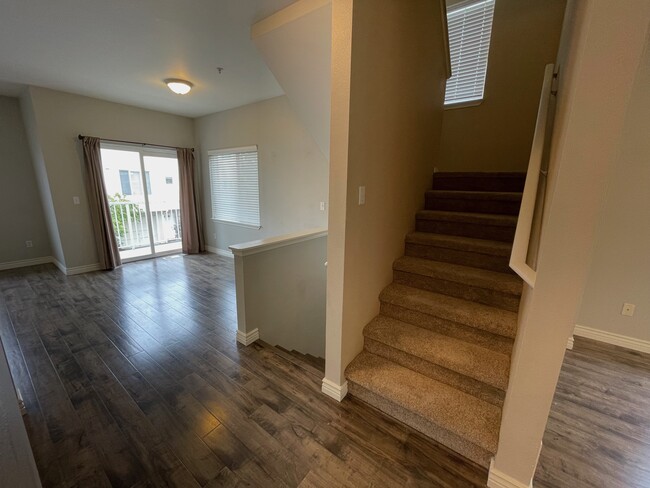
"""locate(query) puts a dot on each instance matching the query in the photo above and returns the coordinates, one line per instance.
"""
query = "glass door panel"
(126, 187)
(161, 178)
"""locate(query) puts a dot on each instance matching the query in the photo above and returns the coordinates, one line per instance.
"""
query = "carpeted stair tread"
(470, 360)
(468, 218)
(481, 253)
(460, 243)
(472, 314)
(492, 280)
(486, 202)
(455, 411)
(511, 196)
(462, 332)
(478, 181)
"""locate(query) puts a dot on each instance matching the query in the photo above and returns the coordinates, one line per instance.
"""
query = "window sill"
(470, 103)
(237, 224)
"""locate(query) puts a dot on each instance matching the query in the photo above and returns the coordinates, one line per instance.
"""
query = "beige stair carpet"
(438, 356)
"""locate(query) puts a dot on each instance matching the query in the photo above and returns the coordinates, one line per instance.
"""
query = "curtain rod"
(81, 138)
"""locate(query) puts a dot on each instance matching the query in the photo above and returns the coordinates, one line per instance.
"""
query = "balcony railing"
(132, 229)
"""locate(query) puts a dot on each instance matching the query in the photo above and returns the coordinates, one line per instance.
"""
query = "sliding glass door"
(144, 198)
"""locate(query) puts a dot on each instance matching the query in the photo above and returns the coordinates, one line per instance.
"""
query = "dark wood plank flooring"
(598, 433)
(134, 378)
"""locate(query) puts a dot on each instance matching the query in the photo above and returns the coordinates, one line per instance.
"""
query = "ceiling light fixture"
(181, 87)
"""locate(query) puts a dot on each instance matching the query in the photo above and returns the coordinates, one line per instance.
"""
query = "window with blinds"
(234, 186)
(470, 27)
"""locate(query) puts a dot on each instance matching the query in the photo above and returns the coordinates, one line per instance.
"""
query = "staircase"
(437, 357)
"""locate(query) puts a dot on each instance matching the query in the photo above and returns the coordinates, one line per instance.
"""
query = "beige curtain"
(109, 256)
(191, 225)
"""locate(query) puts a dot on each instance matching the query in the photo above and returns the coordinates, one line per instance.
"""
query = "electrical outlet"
(322, 206)
(362, 195)
(76, 201)
(628, 309)
(29, 244)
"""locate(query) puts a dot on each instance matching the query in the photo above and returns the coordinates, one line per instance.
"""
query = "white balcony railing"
(132, 228)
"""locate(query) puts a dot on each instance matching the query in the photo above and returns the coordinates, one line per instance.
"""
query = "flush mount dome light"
(180, 87)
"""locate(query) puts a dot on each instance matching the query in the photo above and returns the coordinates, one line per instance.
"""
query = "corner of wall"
(40, 170)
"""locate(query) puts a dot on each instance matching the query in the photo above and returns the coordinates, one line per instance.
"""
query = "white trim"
(288, 14)
(221, 252)
(465, 104)
(611, 338)
(82, 269)
(519, 256)
(230, 150)
(59, 265)
(569, 343)
(23, 263)
(146, 147)
(152, 256)
(254, 247)
(51, 259)
(333, 390)
(247, 338)
(498, 479)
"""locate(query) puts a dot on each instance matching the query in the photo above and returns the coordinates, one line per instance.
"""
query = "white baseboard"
(247, 338)
(23, 263)
(59, 265)
(51, 259)
(498, 479)
(82, 269)
(221, 252)
(333, 390)
(611, 338)
(569, 343)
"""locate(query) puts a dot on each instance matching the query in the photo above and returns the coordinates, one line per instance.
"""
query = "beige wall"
(21, 212)
(620, 266)
(295, 44)
(292, 169)
(55, 119)
(291, 315)
(388, 73)
(29, 118)
(497, 134)
(599, 73)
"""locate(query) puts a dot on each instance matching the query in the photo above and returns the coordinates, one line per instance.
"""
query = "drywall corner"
(40, 170)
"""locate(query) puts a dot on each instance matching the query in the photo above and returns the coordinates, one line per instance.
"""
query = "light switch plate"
(76, 200)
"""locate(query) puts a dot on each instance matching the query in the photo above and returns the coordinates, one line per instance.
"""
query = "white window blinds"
(470, 27)
(234, 185)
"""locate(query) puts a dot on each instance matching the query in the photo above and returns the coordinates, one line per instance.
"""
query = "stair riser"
(486, 392)
(469, 183)
(499, 339)
(485, 296)
(454, 256)
(502, 207)
(479, 231)
(454, 442)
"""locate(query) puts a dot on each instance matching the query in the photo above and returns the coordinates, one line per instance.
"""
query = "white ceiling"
(121, 50)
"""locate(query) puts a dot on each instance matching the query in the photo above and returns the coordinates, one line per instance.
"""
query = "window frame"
(230, 151)
(464, 103)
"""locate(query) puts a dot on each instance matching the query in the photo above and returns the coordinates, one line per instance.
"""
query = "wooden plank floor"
(134, 378)
(598, 433)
